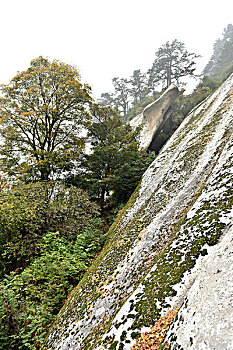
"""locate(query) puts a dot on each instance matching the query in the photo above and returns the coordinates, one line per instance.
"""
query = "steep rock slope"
(160, 249)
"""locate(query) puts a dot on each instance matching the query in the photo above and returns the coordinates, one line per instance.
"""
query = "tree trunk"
(169, 79)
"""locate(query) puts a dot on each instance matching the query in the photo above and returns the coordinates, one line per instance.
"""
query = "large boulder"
(170, 247)
(153, 115)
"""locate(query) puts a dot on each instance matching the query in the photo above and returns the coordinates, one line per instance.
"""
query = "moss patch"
(177, 246)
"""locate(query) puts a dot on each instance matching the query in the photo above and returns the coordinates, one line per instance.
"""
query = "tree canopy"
(139, 87)
(222, 58)
(50, 231)
(172, 63)
(115, 163)
(122, 94)
(42, 110)
(27, 211)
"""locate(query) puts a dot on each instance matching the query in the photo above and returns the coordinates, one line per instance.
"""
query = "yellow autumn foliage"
(153, 339)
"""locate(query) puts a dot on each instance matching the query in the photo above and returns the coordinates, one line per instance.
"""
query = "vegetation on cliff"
(50, 228)
(57, 200)
(121, 294)
(156, 240)
(115, 163)
(172, 63)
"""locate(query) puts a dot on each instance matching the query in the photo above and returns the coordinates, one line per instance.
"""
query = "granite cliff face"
(154, 115)
(171, 246)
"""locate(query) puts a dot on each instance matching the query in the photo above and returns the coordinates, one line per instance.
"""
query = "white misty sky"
(106, 38)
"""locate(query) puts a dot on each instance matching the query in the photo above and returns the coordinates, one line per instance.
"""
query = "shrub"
(27, 211)
(29, 300)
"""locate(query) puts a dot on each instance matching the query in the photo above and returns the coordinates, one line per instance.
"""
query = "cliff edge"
(154, 115)
(171, 247)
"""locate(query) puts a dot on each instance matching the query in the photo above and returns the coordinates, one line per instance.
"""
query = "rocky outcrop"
(153, 115)
(170, 247)
(205, 320)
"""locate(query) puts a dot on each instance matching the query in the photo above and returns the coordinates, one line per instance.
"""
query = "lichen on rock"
(161, 240)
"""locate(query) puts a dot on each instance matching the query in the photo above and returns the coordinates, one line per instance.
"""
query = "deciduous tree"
(42, 110)
(115, 164)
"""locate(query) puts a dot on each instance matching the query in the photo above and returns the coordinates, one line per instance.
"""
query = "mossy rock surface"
(178, 211)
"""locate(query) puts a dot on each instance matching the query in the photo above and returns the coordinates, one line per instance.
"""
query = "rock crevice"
(154, 115)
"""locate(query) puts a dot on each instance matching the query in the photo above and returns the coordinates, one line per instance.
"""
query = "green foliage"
(50, 233)
(128, 173)
(222, 58)
(206, 86)
(172, 63)
(138, 108)
(203, 90)
(180, 109)
(42, 110)
(121, 94)
(30, 299)
(107, 99)
(139, 86)
(29, 210)
(115, 164)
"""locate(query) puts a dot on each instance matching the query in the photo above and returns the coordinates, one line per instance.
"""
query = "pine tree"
(222, 57)
(121, 94)
(172, 63)
(139, 86)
